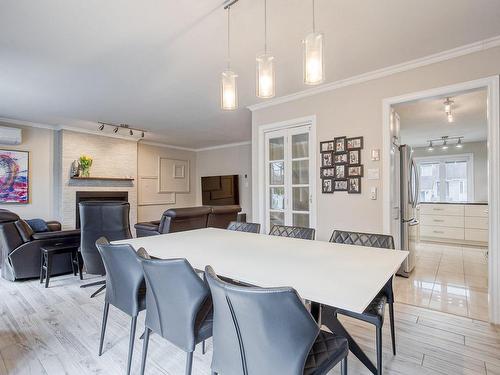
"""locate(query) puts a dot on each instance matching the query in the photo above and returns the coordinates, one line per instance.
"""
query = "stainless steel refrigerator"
(409, 189)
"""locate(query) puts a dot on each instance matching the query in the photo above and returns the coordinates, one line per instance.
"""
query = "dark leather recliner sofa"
(188, 218)
(20, 247)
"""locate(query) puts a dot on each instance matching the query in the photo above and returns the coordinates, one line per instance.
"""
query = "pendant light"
(314, 69)
(228, 87)
(265, 80)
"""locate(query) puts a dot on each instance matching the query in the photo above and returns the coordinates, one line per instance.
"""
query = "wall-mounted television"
(220, 190)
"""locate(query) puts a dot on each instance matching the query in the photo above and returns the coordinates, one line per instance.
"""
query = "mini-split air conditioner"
(10, 136)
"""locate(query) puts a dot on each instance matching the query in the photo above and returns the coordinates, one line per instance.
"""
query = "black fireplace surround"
(82, 196)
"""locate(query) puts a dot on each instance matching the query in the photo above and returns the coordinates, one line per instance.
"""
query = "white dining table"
(332, 275)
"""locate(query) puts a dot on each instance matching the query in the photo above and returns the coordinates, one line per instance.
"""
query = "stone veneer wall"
(112, 157)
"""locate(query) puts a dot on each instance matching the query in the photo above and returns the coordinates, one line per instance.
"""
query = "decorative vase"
(85, 172)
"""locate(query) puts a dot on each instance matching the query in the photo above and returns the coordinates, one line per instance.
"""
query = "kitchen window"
(446, 178)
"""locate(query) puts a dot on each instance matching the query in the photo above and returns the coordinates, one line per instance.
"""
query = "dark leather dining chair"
(101, 219)
(268, 331)
(375, 311)
(238, 226)
(178, 305)
(125, 287)
(292, 232)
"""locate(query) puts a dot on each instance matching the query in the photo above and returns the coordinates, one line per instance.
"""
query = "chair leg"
(393, 333)
(379, 350)
(48, 270)
(343, 366)
(103, 326)
(133, 324)
(42, 261)
(189, 363)
(145, 350)
(203, 349)
(98, 291)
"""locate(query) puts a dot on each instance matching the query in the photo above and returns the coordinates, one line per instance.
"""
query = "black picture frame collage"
(341, 167)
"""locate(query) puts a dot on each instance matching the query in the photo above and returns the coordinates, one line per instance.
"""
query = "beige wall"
(147, 162)
(479, 151)
(228, 161)
(357, 111)
(40, 143)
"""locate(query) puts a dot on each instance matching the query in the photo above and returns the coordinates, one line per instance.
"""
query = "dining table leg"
(329, 319)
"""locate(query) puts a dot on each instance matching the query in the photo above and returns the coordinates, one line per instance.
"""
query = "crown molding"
(165, 145)
(227, 145)
(467, 49)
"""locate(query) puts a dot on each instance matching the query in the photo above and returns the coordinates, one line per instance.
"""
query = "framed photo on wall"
(340, 171)
(355, 171)
(340, 145)
(327, 159)
(355, 143)
(354, 156)
(14, 176)
(340, 158)
(354, 185)
(340, 185)
(327, 185)
(327, 172)
(327, 146)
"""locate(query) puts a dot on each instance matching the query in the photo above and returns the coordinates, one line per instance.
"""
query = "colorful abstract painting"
(14, 175)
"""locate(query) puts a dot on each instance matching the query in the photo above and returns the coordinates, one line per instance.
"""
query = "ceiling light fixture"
(459, 143)
(265, 81)
(445, 143)
(142, 134)
(131, 132)
(101, 126)
(314, 68)
(431, 147)
(228, 87)
(448, 103)
(116, 129)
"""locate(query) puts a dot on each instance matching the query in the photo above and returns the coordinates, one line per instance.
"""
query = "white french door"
(289, 186)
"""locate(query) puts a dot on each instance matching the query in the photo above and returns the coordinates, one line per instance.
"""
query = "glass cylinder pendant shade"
(265, 76)
(228, 90)
(313, 59)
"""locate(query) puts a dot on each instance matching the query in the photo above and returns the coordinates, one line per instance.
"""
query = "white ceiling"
(156, 64)
(424, 120)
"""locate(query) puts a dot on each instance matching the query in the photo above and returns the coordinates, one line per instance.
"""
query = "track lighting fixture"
(445, 142)
(116, 128)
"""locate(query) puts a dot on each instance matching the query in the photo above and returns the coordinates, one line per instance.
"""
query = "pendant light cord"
(265, 27)
(314, 17)
(228, 39)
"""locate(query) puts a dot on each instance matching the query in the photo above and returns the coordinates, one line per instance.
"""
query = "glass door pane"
(300, 183)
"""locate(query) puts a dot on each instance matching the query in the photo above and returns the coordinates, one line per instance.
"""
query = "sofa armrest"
(59, 234)
(147, 228)
(54, 225)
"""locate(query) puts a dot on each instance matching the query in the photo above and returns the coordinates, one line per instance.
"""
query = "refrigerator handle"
(417, 183)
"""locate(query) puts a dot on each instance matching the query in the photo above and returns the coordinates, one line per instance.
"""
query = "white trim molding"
(227, 145)
(492, 85)
(467, 49)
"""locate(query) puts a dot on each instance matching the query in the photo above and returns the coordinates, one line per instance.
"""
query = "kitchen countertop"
(463, 203)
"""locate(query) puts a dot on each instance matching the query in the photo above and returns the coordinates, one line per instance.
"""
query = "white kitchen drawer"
(442, 221)
(442, 232)
(476, 222)
(476, 210)
(476, 235)
(442, 209)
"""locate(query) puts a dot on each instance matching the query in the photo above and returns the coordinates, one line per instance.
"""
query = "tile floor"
(447, 278)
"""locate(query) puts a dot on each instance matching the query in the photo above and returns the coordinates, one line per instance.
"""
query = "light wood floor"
(56, 331)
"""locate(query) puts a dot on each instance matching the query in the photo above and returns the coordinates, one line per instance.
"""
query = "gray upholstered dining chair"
(238, 226)
(178, 305)
(375, 311)
(268, 331)
(292, 232)
(97, 219)
(125, 286)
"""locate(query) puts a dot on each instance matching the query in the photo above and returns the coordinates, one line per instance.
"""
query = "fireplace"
(82, 196)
